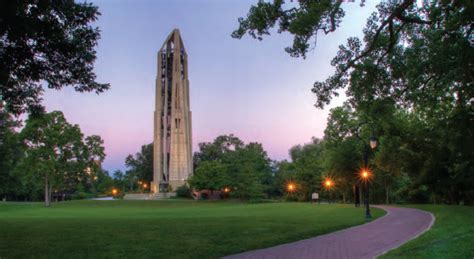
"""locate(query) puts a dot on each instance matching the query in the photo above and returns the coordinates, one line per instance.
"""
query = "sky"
(252, 89)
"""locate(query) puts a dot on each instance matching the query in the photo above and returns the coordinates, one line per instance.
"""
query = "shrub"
(82, 195)
(204, 196)
(183, 191)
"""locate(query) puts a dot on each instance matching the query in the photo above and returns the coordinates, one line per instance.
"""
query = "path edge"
(433, 219)
(330, 233)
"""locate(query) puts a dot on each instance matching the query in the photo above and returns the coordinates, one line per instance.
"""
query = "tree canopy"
(414, 53)
(140, 166)
(409, 81)
(46, 42)
(56, 153)
(228, 162)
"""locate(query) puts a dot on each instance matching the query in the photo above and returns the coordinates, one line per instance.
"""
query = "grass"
(452, 235)
(162, 229)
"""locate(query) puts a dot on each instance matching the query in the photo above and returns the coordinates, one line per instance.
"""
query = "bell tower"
(172, 145)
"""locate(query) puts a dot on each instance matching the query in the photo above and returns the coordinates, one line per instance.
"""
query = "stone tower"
(172, 150)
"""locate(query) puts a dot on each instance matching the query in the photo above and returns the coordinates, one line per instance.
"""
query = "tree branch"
(412, 19)
(397, 12)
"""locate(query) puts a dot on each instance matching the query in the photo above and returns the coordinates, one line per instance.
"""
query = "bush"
(82, 195)
(183, 191)
(419, 195)
(204, 196)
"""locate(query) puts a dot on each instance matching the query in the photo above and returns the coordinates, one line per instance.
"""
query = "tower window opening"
(177, 122)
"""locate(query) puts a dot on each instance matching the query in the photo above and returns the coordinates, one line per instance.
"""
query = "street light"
(328, 184)
(373, 142)
(114, 192)
(366, 174)
(291, 187)
(226, 192)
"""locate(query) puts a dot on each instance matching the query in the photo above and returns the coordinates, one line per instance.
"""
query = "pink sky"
(252, 89)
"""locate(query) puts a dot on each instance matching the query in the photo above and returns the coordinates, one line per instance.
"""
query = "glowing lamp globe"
(291, 187)
(365, 174)
(373, 142)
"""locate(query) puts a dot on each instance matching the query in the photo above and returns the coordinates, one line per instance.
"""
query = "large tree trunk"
(344, 198)
(386, 193)
(47, 199)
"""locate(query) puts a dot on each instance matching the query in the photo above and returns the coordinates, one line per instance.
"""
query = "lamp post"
(328, 183)
(366, 174)
(291, 188)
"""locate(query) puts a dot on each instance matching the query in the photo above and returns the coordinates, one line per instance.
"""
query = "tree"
(103, 183)
(210, 175)
(55, 152)
(217, 150)
(245, 168)
(307, 160)
(119, 180)
(141, 165)
(49, 42)
(432, 39)
(418, 57)
(347, 134)
(249, 171)
(10, 153)
(303, 21)
(285, 174)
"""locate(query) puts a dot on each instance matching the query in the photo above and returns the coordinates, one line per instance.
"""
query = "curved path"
(369, 240)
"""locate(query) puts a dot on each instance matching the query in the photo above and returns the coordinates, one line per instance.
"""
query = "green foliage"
(408, 81)
(46, 42)
(308, 167)
(102, 182)
(284, 174)
(10, 153)
(140, 166)
(303, 21)
(120, 181)
(416, 54)
(228, 162)
(56, 154)
(305, 172)
(210, 175)
(217, 150)
(183, 191)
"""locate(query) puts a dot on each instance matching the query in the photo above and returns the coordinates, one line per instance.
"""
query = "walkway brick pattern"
(398, 226)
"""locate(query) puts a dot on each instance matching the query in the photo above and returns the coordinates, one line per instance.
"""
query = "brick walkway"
(398, 226)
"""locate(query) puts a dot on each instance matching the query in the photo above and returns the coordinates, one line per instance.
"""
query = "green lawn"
(452, 235)
(164, 229)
